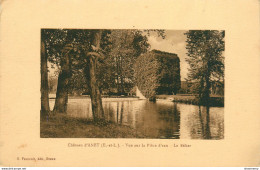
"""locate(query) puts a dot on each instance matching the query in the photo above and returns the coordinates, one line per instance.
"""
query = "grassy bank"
(215, 101)
(53, 96)
(62, 126)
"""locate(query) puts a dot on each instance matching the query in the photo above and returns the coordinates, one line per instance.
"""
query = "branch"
(98, 55)
(67, 48)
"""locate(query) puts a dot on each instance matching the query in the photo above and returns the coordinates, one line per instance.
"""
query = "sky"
(174, 42)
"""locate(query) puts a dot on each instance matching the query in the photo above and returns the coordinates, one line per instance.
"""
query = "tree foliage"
(124, 47)
(206, 60)
(120, 48)
(94, 61)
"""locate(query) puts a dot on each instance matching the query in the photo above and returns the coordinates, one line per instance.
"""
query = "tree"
(76, 53)
(78, 84)
(45, 108)
(63, 82)
(55, 42)
(79, 56)
(123, 48)
(91, 56)
(206, 60)
(63, 51)
(126, 46)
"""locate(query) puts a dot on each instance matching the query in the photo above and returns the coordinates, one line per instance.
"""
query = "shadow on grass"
(63, 126)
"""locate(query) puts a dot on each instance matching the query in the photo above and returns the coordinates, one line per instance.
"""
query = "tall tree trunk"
(201, 86)
(117, 77)
(206, 90)
(95, 95)
(117, 111)
(121, 76)
(122, 111)
(62, 87)
(122, 85)
(45, 108)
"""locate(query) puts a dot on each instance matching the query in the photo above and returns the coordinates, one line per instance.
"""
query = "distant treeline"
(155, 72)
(217, 88)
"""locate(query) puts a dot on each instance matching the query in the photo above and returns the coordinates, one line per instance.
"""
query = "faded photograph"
(130, 83)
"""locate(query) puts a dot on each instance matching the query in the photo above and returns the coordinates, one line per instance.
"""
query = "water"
(163, 119)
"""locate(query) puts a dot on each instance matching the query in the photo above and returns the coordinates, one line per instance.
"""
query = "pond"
(163, 119)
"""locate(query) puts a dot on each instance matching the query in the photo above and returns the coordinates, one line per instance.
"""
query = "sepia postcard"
(129, 83)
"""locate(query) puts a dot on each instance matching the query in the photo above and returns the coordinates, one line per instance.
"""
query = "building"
(157, 72)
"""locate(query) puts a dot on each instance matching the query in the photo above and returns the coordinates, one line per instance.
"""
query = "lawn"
(63, 126)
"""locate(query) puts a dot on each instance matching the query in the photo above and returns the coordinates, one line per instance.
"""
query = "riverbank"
(53, 96)
(215, 101)
(63, 126)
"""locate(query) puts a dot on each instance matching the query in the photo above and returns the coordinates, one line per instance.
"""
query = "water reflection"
(205, 129)
(163, 119)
